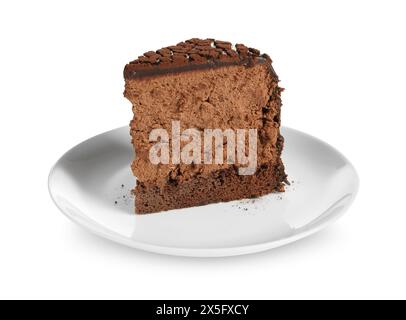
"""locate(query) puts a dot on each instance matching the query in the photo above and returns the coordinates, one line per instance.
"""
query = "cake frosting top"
(195, 54)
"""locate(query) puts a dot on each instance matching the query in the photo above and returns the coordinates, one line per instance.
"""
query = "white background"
(343, 64)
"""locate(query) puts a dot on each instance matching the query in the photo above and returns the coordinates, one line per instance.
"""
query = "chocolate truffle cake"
(191, 90)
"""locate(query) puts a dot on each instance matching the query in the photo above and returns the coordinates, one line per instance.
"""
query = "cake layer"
(220, 186)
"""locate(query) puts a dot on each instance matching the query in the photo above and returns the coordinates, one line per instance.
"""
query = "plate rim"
(207, 252)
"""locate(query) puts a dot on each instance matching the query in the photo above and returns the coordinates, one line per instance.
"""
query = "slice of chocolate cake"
(206, 125)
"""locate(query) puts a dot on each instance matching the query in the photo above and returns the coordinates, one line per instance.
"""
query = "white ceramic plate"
(91, 185)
